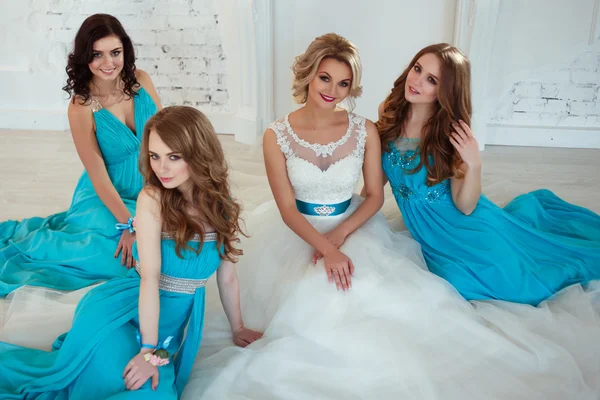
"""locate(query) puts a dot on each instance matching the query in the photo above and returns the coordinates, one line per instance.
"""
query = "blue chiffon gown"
(88, 361)
(75, 248)
(525, 252)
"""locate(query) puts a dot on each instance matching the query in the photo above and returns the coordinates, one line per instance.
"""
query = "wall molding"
(475, 29)
(594, 32)
(542, 136)
(247, 35)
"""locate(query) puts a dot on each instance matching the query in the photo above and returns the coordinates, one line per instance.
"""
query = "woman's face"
(331, 85)
(107, 58)
(423, 80)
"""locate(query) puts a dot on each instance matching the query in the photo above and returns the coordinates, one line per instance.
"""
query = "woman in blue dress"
(525, 252)
(126, 331)
(111, 102)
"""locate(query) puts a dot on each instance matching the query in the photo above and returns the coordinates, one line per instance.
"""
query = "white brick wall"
(568, 97)
(177, 42)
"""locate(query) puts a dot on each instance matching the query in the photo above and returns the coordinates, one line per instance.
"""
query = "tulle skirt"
(399, 333)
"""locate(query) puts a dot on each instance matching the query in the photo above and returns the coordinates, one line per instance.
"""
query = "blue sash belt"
(322, 210)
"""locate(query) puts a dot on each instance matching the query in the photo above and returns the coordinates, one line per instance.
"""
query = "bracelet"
(130, 225)
(160, 356)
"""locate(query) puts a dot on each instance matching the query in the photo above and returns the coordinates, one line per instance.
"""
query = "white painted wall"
(178, 42)
(536, 63)
(543, 74)
(388, 33)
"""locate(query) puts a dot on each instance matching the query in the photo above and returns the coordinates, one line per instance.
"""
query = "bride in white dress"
(368, 321)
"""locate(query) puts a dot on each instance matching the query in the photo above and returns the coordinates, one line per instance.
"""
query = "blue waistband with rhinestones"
(322, 210)
(433, 195)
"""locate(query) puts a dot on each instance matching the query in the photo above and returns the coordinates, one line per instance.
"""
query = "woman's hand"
(138, 371)
(336, 237)
(243, 336)
(339, 269)
(125, 247)
(465, 143)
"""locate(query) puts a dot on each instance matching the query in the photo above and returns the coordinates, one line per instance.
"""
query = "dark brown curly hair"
(96, 27)
(438, 156)
(188, 131)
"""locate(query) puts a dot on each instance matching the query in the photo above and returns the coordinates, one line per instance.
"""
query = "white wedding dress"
(400, 332)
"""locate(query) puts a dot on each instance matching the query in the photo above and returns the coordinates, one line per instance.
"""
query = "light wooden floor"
(39, 171)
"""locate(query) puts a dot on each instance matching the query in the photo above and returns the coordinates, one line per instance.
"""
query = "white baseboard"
(245, 130)
(36, 120)
(542, 136)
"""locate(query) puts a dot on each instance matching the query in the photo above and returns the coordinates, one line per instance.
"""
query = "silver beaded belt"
(208, 237)
(176, 285)
(181, 285)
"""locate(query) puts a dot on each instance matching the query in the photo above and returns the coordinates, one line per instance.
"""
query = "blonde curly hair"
(330, 45)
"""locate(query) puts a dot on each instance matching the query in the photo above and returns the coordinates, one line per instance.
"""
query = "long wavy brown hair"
(188, 131)
(437, 154)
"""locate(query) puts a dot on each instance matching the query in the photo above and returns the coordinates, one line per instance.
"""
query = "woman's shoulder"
(80, 110)
(360, 122)
(149, 197)
(144, 81)
(277, 127)
(357, 118)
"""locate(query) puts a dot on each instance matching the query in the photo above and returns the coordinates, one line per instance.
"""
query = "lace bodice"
(323, 173)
